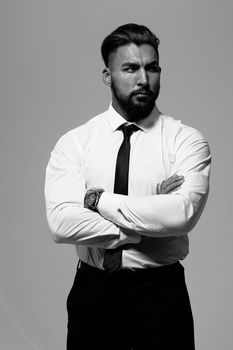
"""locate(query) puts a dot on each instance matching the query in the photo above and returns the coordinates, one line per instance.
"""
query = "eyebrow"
(153, 63)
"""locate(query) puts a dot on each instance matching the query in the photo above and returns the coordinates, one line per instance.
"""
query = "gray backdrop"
(50, 82)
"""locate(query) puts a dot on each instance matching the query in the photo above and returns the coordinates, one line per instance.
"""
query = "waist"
(95, 273)
(156, 252)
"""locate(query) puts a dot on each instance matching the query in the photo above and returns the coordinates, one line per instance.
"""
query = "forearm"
(68, 220)
(170, 214)
(153, 216)
(74, 224)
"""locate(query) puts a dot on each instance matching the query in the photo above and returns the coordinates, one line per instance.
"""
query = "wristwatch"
(91, 199)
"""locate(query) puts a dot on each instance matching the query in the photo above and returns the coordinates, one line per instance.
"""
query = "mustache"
(143, 91)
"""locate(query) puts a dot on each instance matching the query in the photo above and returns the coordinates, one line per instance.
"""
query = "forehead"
(132, 53)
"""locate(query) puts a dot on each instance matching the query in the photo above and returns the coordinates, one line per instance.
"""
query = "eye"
(154, 69)
(131, 69)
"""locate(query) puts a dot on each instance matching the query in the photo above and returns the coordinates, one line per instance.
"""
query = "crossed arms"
(124, 219)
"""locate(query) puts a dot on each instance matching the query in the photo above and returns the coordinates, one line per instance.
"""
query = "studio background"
(50, 69)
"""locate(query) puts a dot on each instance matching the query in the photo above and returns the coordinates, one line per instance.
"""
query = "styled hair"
(126, 34)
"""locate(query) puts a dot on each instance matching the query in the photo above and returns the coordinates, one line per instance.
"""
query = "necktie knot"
(128, 130)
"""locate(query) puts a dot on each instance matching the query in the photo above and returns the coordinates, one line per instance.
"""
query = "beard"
(138, 104)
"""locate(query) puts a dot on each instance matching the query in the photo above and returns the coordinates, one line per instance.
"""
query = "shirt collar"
(115, 119)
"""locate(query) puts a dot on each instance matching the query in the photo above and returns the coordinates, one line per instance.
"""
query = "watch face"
(90, 199)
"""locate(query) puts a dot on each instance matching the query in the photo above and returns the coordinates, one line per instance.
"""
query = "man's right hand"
(170, 184)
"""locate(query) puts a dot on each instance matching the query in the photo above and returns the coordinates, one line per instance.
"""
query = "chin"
(133, 112)
(139, 111)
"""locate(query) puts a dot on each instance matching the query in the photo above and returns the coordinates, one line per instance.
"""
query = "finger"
(169, 184)
(168, 181)
(174, 185)
(167, 187)
(171, 179)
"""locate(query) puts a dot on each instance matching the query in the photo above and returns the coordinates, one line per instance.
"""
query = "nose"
(142, 77)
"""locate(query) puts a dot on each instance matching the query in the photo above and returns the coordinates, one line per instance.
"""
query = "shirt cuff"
(109, 207)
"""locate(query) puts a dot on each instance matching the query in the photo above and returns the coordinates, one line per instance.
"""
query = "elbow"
(57, 237)
(180, 227)
(56, 234)
(186, 225)
(189, 215)
(62, 223)
(56, 227)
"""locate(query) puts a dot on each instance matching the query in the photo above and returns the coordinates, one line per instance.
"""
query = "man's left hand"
(170, 184)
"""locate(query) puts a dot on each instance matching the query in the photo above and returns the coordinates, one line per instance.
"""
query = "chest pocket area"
(146, 165)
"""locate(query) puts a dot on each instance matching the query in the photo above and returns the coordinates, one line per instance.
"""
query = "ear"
(106, 75)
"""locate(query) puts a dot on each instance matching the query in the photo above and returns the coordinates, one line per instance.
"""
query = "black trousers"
(145, 309)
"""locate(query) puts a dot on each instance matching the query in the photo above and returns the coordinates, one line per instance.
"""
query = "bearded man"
(125, 189)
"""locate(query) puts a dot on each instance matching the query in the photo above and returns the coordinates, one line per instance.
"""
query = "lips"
(142, 93)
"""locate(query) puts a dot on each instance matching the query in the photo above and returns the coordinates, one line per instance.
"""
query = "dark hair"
(128, 34)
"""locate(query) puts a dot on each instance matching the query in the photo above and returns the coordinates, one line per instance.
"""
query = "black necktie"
(112, 257)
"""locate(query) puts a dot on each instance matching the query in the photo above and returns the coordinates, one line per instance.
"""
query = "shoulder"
(178, 132)
(183, 140)
(81, 135)
(176, 126)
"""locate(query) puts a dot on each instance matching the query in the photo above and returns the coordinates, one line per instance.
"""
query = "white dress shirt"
(153, 228)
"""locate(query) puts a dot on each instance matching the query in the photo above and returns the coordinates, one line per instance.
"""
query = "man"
(126, 188)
